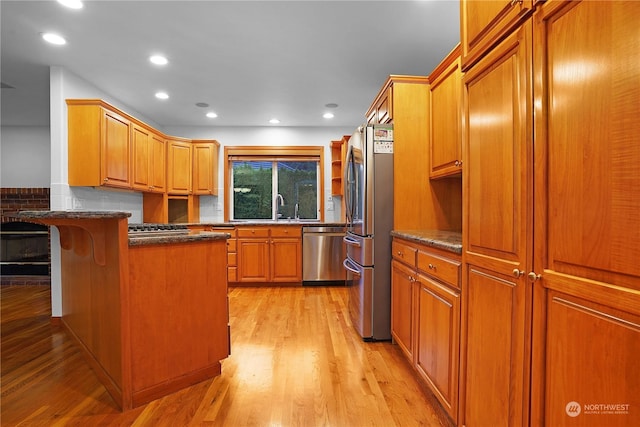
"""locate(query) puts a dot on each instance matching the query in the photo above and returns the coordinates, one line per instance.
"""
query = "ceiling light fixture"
(162, 95)
(71, 4)
(212, 115)
(331, 105)
(328, 115)
(158, 60)
(274, 121)
(54, 39)
(202, 104)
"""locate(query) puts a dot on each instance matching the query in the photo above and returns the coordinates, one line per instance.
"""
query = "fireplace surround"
(26, 248)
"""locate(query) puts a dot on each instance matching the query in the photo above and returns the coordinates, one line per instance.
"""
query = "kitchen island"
(149, 311)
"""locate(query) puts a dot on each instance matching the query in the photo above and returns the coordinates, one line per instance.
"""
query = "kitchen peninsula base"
(150, 313)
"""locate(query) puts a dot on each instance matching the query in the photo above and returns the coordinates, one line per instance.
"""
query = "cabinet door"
(140, 158)
(438, 341)
(483, 23)
(115, 150)
(203, 168)
(587, 216)
(179, 167)
(403, 281)
(497, 232)
(286, 260)
(446, 145)
(253, 260)
(157, 164)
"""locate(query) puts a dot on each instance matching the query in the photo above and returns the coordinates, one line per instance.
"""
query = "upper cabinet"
(485, 23)
(179, 164)
(205, 167)
(445, 117)
(99, 145)
(381, 111)
(147, 160)
(404, 102)
(338, 154)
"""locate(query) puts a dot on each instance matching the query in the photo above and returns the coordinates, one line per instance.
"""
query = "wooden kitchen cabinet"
(179, 167)
(403, 295)
(205, 167)
(417, 204)
(445, 141)
(484, 23)
(586, 245)
(269, 254)
(425, 316)
(147, 160)
(496, 326)
(99, 144)
(338, 154)
(381, 112)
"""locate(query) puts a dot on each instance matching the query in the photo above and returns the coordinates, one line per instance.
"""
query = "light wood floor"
(295, 361)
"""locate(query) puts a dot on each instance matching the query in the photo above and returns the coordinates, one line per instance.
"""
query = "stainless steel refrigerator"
(368, 193)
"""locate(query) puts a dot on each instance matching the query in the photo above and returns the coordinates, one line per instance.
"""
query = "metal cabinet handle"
(400, 254)
(517, 273)
(432, 267)
(533, 276)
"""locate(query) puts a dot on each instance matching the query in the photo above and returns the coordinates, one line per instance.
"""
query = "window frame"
(282, 153)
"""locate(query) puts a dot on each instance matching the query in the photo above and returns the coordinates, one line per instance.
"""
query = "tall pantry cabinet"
(551, 228)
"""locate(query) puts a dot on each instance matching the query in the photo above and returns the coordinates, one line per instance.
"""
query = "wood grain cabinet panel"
(496, 234)
(269, 254)
(587, 216)
(438, 341)
(205, 167)
(179, 167)
(484, 23)
(147, 160)
(445, 155)
(403, 284)
(99, 144)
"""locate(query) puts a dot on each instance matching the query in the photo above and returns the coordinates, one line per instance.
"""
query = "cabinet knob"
(458, 163)
(400, 253)
(432, 267)
(533, 276)
(517, 273)
(106, 180)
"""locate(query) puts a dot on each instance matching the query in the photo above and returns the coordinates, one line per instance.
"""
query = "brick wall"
(19, 199)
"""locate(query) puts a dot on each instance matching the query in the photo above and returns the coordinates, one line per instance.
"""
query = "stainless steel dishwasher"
(322, 255)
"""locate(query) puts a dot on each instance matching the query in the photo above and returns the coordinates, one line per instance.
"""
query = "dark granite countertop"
(446, 240)
(302, 223)
(71, 214)
(169, 238)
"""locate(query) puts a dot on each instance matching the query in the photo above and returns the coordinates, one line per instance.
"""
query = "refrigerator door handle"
(352, 242)
(347, 265)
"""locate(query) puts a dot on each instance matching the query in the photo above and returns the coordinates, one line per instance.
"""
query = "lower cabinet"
(269, 254)
(425, 316)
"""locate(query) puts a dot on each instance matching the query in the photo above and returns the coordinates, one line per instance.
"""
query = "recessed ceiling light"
(158, 60)
(202, 104)
(72, 4)
(274, 121)
(332, 105)
(54, 38)
(212, 115)
(328, 115)
(162, 95)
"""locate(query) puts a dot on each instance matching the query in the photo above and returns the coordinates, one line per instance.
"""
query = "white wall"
(25, 154)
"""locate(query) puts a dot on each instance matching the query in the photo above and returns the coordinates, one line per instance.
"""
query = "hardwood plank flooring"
(295, 361)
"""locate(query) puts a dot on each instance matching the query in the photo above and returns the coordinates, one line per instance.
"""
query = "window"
(272, 184)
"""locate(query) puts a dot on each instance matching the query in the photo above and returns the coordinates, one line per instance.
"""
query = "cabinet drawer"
(232, 244)
(232, 259)
(403, 252)
(232, 274)
(253, 232)
(230, 231)
(286, 231)
(441, 268)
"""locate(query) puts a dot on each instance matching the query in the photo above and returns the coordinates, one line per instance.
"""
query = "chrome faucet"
(296, 215)
(279, 202)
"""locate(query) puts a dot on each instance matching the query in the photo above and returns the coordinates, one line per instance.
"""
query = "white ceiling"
(249, 60)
